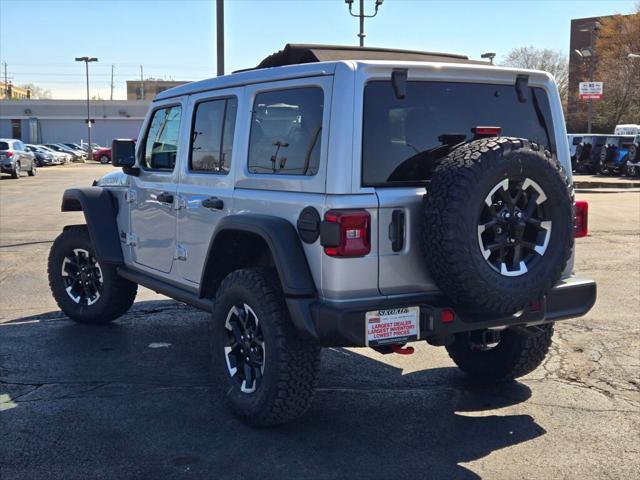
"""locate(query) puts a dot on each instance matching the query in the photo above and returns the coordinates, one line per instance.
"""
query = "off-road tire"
(520, 351)
(291, 362)
(16, 171)
(117, 294)
(602, 161)
(452, 207)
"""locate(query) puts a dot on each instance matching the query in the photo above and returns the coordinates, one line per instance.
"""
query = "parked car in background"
(15, 159)
(78, 148)
(627, 129)
(62, 149)
(613, 154)
(43, 158)
(62, 157)
(81, 154)
(102, 155)
(574, 140)
(633, 159)
(587, 155)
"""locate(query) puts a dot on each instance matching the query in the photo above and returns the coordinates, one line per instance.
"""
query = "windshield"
(403, 139)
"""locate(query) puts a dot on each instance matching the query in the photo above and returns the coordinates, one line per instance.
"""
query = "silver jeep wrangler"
(334, 196)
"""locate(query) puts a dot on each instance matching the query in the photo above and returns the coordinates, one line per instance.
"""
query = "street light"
(362, 16)
(489, 55)
(86, 61)
(589, 54)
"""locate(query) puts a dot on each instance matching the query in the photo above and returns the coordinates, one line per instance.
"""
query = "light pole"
(588, 53)
(489, 55)
(86, 61)
(362, 16)
(220, 36)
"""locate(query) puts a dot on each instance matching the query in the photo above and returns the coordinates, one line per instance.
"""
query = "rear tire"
(104, 159)
(520, 351)
(266, 372)
(85, 290)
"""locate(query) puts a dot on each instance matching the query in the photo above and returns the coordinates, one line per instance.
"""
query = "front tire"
(33, 171)
(519, 351)
(104, 160)
(85, 290)
(16, 171)
(267, 373)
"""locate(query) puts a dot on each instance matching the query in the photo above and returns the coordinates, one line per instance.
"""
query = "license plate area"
(392, 325)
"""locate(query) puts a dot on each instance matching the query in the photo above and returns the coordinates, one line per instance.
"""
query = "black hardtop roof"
(294, 54)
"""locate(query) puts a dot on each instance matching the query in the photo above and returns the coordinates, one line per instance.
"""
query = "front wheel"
(516, 352)
(16, 171)
(266, 372)
(33, 171)
(85, 290)
(104, 159)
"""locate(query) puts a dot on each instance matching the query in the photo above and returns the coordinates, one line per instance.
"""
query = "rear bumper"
(342, 324)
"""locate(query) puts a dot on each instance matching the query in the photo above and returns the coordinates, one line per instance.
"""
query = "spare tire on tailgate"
(498, 228)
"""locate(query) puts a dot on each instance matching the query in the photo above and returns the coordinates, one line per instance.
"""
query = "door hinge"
(130, 196)
(179, 203)
(129, 239)
(181, 253)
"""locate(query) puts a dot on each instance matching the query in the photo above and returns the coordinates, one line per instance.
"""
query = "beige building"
(148, 89)
(8, 91)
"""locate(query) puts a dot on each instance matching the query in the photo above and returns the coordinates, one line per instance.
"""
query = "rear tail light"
(447, 315)
(346, 233)
(9, 154)
(581, 224)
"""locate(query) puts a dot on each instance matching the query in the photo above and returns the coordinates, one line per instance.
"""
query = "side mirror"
(123, 153)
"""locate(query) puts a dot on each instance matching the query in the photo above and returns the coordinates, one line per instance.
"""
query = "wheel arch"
(249, 240)
(100, 210)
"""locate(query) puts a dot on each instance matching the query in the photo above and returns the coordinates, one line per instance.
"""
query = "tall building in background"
(581, 67)
(148, 89)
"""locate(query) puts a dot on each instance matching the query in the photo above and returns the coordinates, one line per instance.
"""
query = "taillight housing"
(9, 154)
(581, 223)
(346, 233)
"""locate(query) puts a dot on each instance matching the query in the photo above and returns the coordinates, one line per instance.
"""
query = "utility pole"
(220, 36)
(141, 83)
(362, 16)
(6, 81)
(111, 96)
(86, 61)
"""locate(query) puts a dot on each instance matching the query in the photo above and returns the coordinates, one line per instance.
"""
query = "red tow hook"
(401, 349)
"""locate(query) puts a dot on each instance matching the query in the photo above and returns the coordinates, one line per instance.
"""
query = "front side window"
(405, 138)
(212, 136)
(286, 128)
(161, 144)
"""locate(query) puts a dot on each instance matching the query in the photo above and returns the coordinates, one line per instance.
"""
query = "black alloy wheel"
(244, 348)
(515, 226)
(82, 277)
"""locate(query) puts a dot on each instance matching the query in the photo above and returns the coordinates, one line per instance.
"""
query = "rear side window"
(403, 139)
(4, 146)
(212, 136)
(161, 143)
(286, 128)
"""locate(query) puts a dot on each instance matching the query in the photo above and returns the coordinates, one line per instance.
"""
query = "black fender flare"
(282, 240)
(100, 210)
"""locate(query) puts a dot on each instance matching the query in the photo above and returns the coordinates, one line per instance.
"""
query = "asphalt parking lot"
(100, 402)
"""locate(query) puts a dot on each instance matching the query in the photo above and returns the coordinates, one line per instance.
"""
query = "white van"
(627, 129)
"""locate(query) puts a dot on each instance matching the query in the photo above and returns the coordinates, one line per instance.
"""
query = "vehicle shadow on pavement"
(135, 399)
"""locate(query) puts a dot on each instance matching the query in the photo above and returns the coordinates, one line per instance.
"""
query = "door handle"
(164, 197)
(213, 202)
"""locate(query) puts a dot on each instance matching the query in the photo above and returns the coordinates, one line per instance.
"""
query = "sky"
(176, 39)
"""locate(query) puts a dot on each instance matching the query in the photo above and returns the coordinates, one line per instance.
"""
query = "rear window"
(403, 139)
(4, 146)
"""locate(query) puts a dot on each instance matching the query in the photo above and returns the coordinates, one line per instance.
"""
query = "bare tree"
(617, 37)
(553, 61)
(37, 92)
